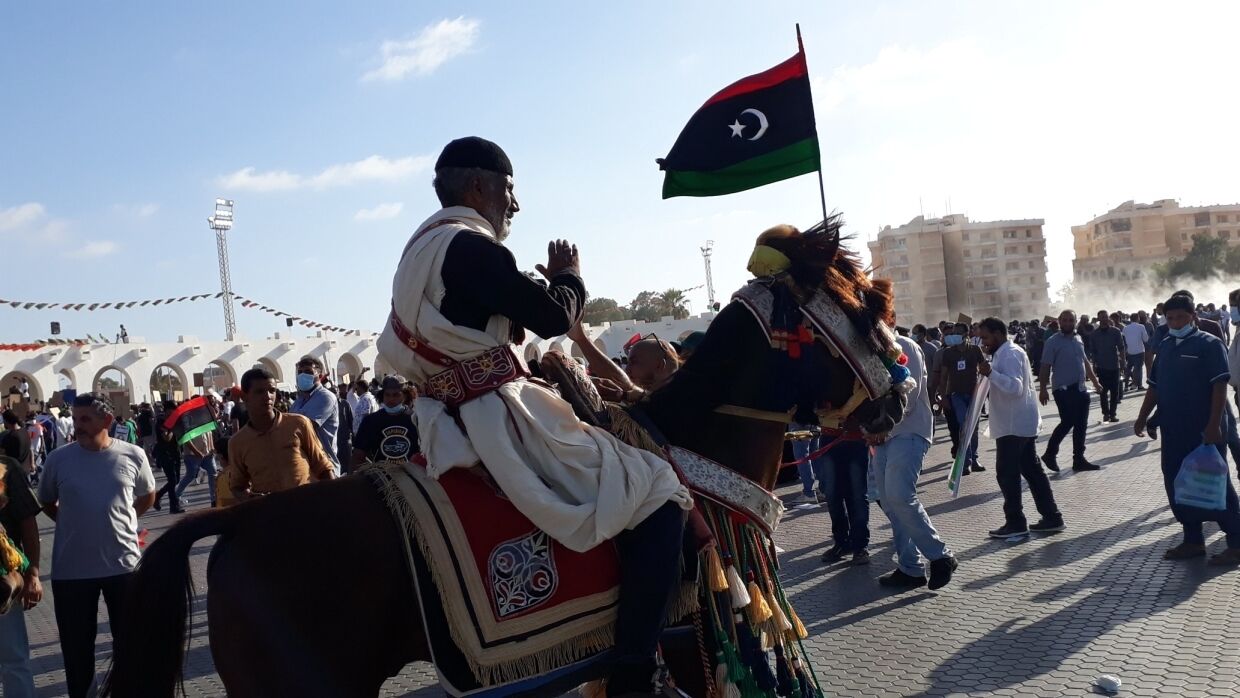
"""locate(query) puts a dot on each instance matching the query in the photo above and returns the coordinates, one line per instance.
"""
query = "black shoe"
(1009, 531)
(861, 557)
(900, 580)
(941, 571)
(1049, 461)
(1048, 526)
(1083, 465)
(1114, 419)
(835, 554)
(156, 506)
(977, 468)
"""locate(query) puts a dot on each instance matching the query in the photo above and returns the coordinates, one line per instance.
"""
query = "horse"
(293, 610)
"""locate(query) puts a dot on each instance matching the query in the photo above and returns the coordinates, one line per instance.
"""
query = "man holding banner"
(1014, 425)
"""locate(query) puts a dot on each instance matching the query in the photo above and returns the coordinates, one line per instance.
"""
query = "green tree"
(646, 307)
(600, 310)
(1208, 257)
(674, 303)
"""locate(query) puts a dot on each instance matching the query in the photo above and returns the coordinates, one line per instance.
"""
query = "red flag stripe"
(792, 68)
(191, 404)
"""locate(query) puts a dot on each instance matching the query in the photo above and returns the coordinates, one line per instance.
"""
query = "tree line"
(648, 306)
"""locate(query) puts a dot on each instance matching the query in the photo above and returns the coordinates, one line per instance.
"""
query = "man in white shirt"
(364, 405)
(1014, 425)
(1135, 339)
(897, 464)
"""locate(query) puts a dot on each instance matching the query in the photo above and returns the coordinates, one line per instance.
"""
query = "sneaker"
(835, 553)
(977, 468)
(861, 557)
(900, 580)
(1228, 558)
(1185, 551)
(1049, 461)
(941, 571)
(1083, 465)
(803, 500)
(1009, 531)
(1048, 526)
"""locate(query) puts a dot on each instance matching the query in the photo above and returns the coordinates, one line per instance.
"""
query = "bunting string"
(151, 303)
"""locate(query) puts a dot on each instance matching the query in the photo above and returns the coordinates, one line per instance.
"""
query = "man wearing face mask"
(387, 434)
(958, 377)
(318, 404)
(1064, 360)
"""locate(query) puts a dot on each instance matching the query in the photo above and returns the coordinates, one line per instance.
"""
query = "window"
(1033, 296)
(1120, 225)
(1224, 235)
(964, 236)
(1028, 249)
(988, 268)
(1032, 265)
(968, 253)
(1201, 219)
(1222, 218)
(1009, 234)
(1028, 232)
(1012, 265)
(1183, 237)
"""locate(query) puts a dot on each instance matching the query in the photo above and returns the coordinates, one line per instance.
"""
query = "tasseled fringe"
(724, 687)
(754, 658)
(740, 597)
(759, 611)
(798, 631)
(779, 620)
(714, 570)
(785, 684)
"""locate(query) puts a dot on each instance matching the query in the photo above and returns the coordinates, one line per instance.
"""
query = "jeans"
(843, 477)
(172, 473)
(1192, 518)
(1136, 369)
(16, 679)
(1108, 378)
(1073, 406)
(77, 621)
(649, 573)
(897, 465)
(961, 402)
(1016, 457)
(192, 464)
(801, 449)
(953, 425)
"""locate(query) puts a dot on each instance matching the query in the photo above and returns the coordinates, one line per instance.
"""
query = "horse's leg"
(312, 606)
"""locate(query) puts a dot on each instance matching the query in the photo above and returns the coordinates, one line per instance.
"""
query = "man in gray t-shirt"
(1065, 368)
(94, 489)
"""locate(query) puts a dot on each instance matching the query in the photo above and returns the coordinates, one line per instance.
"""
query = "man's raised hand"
(561, 256)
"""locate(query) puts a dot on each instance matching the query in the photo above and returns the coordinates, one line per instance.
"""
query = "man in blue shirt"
(317, 404)
(1065, 368)
(1188, 384)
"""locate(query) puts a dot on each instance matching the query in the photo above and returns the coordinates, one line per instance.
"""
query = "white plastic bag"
(1202, 480)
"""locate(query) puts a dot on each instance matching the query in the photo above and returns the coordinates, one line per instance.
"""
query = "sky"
(120, 123)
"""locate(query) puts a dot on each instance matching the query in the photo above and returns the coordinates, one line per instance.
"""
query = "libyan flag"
(753, 132)
(193, 418)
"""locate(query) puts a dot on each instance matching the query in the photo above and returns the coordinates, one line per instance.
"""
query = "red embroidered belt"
(466, 380)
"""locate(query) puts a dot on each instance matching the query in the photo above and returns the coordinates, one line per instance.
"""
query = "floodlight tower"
(710, 284)
(221, 223)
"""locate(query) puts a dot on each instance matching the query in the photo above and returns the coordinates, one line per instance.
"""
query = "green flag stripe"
(196, 432)
(799, 158)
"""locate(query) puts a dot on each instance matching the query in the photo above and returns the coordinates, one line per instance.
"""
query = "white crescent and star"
(738, 128)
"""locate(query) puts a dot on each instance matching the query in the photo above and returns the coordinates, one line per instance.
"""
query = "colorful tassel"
(759, 611)
(781, 622)
(798, 628)
(755, 658)
(783, 675)
(723, 687)
(714, 571)
(740, 597)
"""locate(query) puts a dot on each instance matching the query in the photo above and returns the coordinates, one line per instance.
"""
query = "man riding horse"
(459, 304)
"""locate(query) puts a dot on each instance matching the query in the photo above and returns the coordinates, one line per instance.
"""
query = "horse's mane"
(819, 260)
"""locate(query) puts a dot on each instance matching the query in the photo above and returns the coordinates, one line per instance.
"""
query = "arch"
(532, 352)
(12, 379)
(66, 379)
(575, 352)
(218, 375)
(556, 346)
(169, 382)
(348, 368)
(116, 384)
(598, 343)
(272, 367)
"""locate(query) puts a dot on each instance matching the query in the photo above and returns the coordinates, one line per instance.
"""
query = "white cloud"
(904, 77)
(98, 248)
(423, 54)
(371, 169)
(382, 212)
(136, 210)
(19, 215)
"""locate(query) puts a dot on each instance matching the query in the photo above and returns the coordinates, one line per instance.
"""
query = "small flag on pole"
(193, 418)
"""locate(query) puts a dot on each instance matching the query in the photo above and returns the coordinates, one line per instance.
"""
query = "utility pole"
(710, 284)
(221, 223)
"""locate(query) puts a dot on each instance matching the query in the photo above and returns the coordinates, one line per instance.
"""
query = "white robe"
(576, 482)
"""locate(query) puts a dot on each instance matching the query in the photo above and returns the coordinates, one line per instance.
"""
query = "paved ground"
(1042, 617)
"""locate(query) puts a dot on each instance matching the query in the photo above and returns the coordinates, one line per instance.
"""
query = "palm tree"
(673, 302)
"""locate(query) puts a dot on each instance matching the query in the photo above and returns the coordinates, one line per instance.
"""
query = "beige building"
(942, 267)
(1122, 244)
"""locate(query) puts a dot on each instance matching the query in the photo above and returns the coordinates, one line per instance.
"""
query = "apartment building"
(942, 267)
(1123, 243)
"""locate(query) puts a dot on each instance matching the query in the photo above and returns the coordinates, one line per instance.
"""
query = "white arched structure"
(348, 368)
(124, 383)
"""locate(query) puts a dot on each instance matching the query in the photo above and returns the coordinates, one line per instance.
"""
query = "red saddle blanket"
(518, 603)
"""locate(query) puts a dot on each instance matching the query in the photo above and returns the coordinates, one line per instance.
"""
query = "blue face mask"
(1183, 331)
(394, 410)
(1235, 315)
(953, 339)
(305, 381)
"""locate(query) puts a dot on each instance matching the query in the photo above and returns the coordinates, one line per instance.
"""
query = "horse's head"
(11, 579)
(808, 341)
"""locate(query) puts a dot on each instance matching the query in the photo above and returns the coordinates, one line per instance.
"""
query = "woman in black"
(168, 457)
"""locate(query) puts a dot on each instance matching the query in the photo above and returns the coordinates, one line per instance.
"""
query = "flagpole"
(822, 190)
